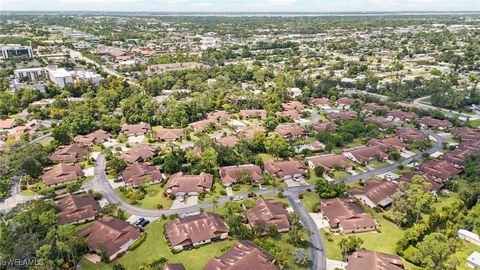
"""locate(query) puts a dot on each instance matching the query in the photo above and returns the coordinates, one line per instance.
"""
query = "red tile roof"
(371, 260)
(61, 173)
(232, 174)
(268, 213)
(74, 208)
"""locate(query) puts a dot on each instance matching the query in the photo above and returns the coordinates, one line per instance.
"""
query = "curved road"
(101, 184)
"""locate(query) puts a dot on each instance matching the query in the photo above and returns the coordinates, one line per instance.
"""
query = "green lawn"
(464, 250)
(155, 246)
(475, 123)
(266, 157)
(310, 200)
(153, 198)
(355, 143)
(379, 164)
(338, 175)
(383, 241)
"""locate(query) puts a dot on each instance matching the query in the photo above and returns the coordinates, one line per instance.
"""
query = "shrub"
(138, 242)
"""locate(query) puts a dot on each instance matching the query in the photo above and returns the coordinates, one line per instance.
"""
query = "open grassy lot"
(310, 200)
(155, 246)
(464, 250)
(339, 175)
(153, 198)
(379, 164)
(475, 123)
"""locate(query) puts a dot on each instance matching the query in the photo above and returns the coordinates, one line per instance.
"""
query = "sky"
(242, 5)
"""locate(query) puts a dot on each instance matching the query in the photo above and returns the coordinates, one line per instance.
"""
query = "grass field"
(153, 198)
(475, 123)
(310, 200)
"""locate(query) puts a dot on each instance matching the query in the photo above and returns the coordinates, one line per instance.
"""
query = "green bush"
(138, 242)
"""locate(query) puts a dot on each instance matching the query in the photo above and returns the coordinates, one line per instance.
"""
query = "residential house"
(431, 122)
(375, 193)
(324, 126)
(346, 216)
(399, 115)
(75, 209)
(410, 134)
(382, 122)
(408, 178)
(343, 115)
(293, 105)
(441, 170)
(138, 174)
(286, 169)
(195, 230)
(135, 130)
(189, 184)
(387, 143)
(61, 173)
(243, 255)
(233, 174)
(69, 153)
(292, 114)
(228, 141)
(467, 134)
(140, 153)
(366, 154)
(345, 103)
(267, 213)
(329, 162)
(290, 130)
(95, 137)
(249, 132)
(8, 123)
(373, 107)
(202, 125)
(372, 260)
(110, 235)
(170, 134)
(173, 266)
(218, 116)
(323, 103)
(253, 113)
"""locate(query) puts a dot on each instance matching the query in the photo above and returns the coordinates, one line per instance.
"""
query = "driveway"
(334, 265)
(291, 183)
(189, 201)
(136, 139)
(319, 221)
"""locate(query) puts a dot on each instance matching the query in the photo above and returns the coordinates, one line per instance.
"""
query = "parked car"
(237, 198)
(297, 178)
(140, 220)
(144, 223)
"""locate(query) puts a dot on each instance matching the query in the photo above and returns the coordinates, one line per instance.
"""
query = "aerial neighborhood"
(225, 143)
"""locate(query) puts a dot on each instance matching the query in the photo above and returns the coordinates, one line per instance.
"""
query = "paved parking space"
(189, 201)
(319, 221)
(334, 265)
(291, 183)
(136, 139)
(229, 191)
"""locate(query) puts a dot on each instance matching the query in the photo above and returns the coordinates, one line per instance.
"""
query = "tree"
(411, 200)
(472, 167)
(435, 250)
(328, 190)
(276, 145)
(349, 244)
(301, 256)
(209, 159)
(61, 134)
(319, 170)
(30, 158)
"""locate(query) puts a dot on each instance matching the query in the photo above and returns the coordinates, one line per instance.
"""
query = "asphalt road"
(317, 252)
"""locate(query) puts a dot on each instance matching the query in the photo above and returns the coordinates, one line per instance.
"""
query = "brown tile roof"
(137, 129)
(268, 213)
(194, 229)
(341, 115)
(329, 162)
(345, 101)
(371, 260)
(229, 141)
(253, 113)
(140, 153)
(293, 105)
(137, 174)
(441, 169)
(290, 130)
(288, 167)
(382, 122)
(403, 115)
(410, 134)
(61, 173)
(375, 107)
(292, 114)
(202, 124)
(466, 133)
(218, 116)
(249, 132)
(232, 174)
(408, 177)
(167, 134)
(180, 182)
(68, 153)
(244, 255)
(368, 153)
(435, 123)
(93, 138)
(325, 126)
(109, 234)
(386, 143)
(346, 213)
(376, 191)
(7, 123)
(74, 208)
